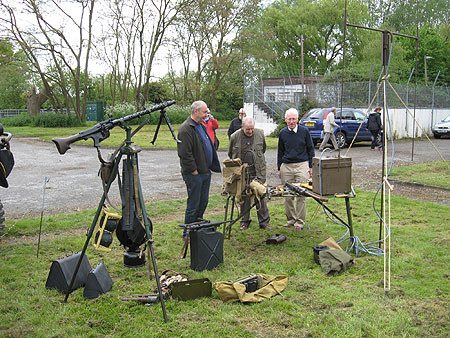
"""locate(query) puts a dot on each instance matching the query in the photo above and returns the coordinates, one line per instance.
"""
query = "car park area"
(353, 122)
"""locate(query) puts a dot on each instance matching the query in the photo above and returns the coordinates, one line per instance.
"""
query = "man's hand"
(195, 172)
(310, 172)
(279, 174)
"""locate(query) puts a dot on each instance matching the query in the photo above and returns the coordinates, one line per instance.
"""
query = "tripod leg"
(91, 229)
(158, 284)
(149, 236)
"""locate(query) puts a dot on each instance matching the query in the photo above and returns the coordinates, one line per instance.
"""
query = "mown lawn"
(430, 173)
(143, 138)
(353, 304)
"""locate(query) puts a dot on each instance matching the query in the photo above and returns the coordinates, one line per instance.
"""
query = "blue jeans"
(198, 195)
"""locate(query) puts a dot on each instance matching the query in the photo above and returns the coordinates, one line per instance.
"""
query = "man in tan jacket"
(249, 145)
(328, 130)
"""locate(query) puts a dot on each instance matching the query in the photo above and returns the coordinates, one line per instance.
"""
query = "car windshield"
(447, 119)
(314, 114)
(359, 115)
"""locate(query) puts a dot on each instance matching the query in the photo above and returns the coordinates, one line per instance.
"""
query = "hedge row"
(177, 114)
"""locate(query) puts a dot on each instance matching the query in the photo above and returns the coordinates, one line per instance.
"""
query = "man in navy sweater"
(295, 153)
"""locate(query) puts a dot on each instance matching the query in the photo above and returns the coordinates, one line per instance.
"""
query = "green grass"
(430, 173)
(352, 304)
(143, 138)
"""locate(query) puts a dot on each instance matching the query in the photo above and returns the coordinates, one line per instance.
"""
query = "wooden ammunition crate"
(335, 175)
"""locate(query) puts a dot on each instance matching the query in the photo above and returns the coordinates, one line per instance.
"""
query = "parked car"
(441, 128)
(351, 119)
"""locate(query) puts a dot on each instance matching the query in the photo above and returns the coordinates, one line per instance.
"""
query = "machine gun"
(135, 227)
(100, 131)
(305, 192)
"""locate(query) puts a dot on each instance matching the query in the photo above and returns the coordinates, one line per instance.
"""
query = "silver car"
(441, 128)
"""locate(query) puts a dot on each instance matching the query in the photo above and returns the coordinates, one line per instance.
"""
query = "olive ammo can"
(332, 175)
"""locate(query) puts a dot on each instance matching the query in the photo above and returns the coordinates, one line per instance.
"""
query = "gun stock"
(98, 133)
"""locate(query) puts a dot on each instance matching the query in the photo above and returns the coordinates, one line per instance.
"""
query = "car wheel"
(341, 139)
(437, 136)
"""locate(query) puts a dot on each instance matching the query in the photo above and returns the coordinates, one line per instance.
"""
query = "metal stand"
(131, 155)
(227, 226)
(300, 191)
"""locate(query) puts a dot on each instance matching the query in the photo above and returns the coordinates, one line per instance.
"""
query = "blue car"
(351, 119)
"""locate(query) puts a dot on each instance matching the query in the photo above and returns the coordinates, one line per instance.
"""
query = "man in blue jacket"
(198, 158)
(294, 162)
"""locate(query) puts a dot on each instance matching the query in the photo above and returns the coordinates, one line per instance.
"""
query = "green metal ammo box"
(333, 174)
(191, 289)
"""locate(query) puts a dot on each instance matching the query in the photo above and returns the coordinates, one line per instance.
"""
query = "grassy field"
(431, 173)
(142, 138)
(353, 304)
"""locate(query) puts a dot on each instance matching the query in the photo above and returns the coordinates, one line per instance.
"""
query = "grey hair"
(196, 105)
(247, 120)
(242, 110)
(291, 110)
(333, 109)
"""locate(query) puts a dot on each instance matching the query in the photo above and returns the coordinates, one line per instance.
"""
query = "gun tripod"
(136, 227)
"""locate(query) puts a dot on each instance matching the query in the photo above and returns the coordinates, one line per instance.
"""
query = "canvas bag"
(234, 177)
(232, 292)
(334, 261)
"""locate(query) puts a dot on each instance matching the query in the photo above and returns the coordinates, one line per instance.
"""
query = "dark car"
(351, 119)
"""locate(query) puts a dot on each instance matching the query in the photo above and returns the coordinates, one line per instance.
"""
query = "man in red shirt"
(211, 125)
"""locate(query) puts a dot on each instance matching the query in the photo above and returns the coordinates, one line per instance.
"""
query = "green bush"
(46, 120)
(54, 120)
(21, 120)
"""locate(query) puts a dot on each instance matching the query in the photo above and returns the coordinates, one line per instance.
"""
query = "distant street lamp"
(425, 58)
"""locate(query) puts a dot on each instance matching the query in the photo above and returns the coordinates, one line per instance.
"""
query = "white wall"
(402, 122)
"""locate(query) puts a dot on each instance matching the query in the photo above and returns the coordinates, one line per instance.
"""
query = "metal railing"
(11, 112)
(15, 112)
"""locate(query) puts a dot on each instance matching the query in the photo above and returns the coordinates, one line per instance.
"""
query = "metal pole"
(303, 67)
(46, 179)
(415, 87)
(370, 85)
(378, 84)
(407, 103)
(432, 99)
(425, 64)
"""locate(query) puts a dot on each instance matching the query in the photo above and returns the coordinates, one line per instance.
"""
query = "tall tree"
(321, 24)
(406, 14)
(48, 43)
(208, 42)
(137, 31)
(14, 76)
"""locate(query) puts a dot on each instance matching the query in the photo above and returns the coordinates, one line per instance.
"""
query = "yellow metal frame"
(101, 227)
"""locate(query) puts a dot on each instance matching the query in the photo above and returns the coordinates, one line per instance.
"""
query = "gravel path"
(74, 184)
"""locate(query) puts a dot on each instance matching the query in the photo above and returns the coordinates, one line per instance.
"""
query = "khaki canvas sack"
(234, 177)
(233, 292)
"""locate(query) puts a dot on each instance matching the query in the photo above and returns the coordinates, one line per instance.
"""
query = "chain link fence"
(274, 97)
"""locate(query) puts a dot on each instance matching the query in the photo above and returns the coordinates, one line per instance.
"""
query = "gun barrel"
(160, 106)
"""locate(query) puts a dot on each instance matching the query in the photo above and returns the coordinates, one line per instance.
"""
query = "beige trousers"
(325, 141)
(295, 207)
